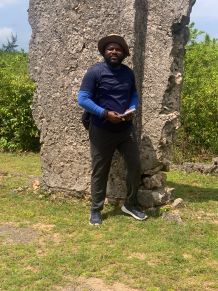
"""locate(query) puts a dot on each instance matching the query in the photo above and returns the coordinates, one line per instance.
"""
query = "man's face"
(114, 54)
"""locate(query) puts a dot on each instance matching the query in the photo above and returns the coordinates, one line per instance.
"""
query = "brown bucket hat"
(113, 38)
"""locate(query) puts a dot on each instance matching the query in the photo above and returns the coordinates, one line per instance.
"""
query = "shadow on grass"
(115, 211)
(188, 193)
(193, 193)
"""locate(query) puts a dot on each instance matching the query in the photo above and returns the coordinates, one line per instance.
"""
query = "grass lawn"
(47, 245)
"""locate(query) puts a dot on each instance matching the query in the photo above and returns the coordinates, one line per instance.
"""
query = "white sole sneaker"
(125, 210)
(94, 224)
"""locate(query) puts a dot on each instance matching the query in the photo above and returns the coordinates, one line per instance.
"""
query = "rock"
(158, 180)
(211, 168)
(153, 211)
(112, 201)
(172, 216)
(178, 78)
(36, 185)
(170, 192)
(177, 203)
(20, 189)
(149, 198)
(64, 45)
(147, 183)
(154, 182)
(152, 171)
(145, 198)
(116, 201)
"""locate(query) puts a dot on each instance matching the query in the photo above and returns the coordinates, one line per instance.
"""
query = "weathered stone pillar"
(64, 43)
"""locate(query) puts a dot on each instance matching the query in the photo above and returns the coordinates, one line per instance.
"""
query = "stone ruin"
(64, 44)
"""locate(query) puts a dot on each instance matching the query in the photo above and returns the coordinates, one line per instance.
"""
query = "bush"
(199, 105)
(17, 129)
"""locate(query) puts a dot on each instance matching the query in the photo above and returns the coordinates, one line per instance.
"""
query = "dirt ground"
(12, 234)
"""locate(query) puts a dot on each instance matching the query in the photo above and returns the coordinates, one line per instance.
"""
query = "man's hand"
(113, 117)
(128, 116)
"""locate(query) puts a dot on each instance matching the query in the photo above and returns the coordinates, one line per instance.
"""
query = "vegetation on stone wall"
(199, 103)
(17, 129)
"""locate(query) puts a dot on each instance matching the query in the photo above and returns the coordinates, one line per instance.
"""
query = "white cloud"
(5, 33)
(8, 2)
(205, 9)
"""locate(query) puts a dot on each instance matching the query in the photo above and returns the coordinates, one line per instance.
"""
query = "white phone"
(127, 112)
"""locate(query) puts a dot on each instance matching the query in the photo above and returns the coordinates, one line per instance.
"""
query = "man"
(109, 93)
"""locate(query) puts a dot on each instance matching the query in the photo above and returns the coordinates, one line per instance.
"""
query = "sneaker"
(134, 212)
(95, 218)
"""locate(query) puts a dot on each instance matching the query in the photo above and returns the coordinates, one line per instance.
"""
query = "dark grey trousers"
(103, 144)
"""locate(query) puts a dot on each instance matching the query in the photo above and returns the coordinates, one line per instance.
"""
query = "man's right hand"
(113, 117)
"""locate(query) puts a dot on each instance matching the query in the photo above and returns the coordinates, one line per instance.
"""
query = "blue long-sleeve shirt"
(85, 100)
(107, 88)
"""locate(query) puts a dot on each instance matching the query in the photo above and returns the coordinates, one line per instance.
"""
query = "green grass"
(151, 255)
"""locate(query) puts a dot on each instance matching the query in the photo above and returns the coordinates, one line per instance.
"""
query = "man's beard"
(112, 63)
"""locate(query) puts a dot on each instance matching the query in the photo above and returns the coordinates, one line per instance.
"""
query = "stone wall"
(64, 43)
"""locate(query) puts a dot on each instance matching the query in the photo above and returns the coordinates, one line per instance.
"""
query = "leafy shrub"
(199, 107)
(17, 129)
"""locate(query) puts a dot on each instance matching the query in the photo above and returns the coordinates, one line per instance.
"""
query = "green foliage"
(17, 129)
(194, 33)
(199, 110)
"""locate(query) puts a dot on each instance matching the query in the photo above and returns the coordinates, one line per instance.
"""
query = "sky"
(14, 19)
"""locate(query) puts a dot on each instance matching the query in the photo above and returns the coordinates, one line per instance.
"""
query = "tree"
(17, 128)
(199, 104)
(11, 44)
(194, 33)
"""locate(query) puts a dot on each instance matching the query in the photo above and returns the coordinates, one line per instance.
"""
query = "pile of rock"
(153, 191)
(211, 168)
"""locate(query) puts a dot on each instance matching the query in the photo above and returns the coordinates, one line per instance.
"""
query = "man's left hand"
(127, 117)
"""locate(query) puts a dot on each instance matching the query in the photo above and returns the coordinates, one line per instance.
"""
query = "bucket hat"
(104, 41)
